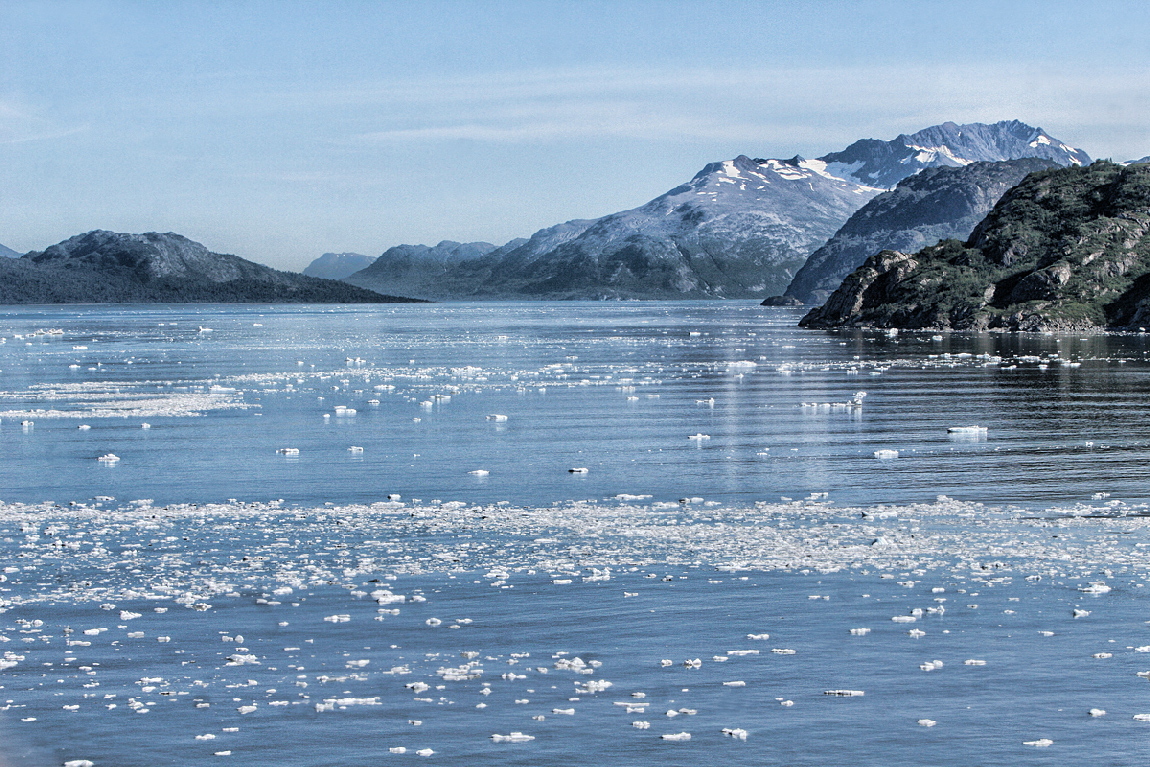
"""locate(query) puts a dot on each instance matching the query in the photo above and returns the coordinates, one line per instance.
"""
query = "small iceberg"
(967, 431)
(108, 458)
(885, 454)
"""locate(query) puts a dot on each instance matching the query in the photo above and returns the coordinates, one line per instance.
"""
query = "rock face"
(1067, 249)
(739, 229)
(109, 267)
(885, 163)
(939, 203)
(336, 266)
(6, 252)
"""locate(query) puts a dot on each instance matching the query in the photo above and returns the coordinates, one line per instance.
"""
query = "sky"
(282, 130)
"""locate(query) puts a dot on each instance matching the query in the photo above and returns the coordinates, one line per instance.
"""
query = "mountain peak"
(885, 163)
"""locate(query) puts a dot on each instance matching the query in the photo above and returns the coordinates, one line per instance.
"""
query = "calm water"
(614, 388)
(269, 607)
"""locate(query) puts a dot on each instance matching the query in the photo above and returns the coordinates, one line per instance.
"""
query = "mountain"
(739, 228)
(1143, 160)
(420, 270)
(6, 252)
(885, 163)
(938, 203)
(336, 266)
(108, 267)
(1067, 249)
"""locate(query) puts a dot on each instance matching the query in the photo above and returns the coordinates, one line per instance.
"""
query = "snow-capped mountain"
(740, 228)
(885, 163)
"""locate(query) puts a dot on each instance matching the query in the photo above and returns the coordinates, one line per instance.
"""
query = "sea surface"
(556, 533)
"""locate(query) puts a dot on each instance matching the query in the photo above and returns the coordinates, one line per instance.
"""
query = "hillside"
(1067, 249)
(936, 204)
(109, 267)
(336, 266)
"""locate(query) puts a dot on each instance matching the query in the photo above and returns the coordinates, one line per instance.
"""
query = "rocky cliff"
(1067, 249)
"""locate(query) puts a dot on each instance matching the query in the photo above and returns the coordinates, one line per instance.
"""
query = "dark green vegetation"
(108, 267)
(1067, 249)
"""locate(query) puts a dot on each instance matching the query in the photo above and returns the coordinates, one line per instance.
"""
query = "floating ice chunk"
(916, 633)
(497, 418)
(424, 752)
(397, 750)
(756, 636)
(514, 737)
(738, 683)
(677, 736)
(247, 709)
(786, 703)
(845, 693)
(699, 438)
(208, 736)
(578, 470)
(931, 665)
(640, 725)
(1142, 717)
(109, 458)
(696, 663)
(1040, 743)
(927, 722)
(1097, 712)
(342, 618)
(885, 454)
(1077, 613)
(288, 451)
(665, 663)
(355, 449)
(1096, 587)
(75, 762)
(1102, 655)
(433, 622)
(145, 426)
(565, 711)
(966, 430)
(974, 662)
(84, 427)
(735, 732)
(859, 632)
(479, 472)
(126, 615)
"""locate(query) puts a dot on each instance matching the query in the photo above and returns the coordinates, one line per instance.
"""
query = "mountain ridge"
(113, 267)
(739, 228)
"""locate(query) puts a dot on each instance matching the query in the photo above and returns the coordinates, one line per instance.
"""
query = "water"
(666, 548)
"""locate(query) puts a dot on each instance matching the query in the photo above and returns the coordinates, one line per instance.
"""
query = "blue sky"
(281, 130)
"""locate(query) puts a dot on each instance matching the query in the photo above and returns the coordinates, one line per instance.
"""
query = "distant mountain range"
(108, 267)
(1067, 249)
(336, 266)
(741, 228)
(6, 252)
